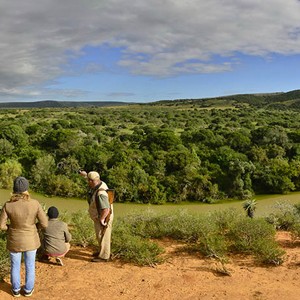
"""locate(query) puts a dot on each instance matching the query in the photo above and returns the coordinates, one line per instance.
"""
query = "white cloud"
(158, 38)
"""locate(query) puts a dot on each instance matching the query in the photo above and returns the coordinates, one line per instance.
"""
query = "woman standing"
(23, 238)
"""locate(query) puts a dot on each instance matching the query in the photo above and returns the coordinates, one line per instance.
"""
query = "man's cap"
(21, 185)
(93, 175)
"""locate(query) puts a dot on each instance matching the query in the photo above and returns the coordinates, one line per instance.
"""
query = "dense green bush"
(184, 153)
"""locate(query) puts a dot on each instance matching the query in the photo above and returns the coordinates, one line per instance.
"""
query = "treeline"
(154, 153)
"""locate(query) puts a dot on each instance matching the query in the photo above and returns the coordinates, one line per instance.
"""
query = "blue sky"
(144, 51)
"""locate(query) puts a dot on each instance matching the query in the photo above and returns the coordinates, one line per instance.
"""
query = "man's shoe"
(96, 254)
(16, 294)
(59, 261)
(28, 294)
(98, 259)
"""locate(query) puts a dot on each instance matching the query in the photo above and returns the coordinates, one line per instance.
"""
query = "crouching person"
(56, 237)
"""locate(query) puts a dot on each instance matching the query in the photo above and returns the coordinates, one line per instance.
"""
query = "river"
(265, 204)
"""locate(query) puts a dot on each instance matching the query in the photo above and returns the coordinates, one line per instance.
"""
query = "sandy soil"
(182, 276)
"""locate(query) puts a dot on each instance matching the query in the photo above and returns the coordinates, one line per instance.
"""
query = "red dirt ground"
(183, 276)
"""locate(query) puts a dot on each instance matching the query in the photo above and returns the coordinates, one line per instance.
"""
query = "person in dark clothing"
(56, 237)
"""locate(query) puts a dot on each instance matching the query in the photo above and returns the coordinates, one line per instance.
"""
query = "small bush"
(297, 208)
(295, 230)
(144, 225)
(82, 229)
(256, 237)
(179, 225)
(210, 240)
(182, 226)
(267, 251)
(4, 257)
(225, 219)
(246, 232)
(132, 248)
(284, 217)
(250, 207)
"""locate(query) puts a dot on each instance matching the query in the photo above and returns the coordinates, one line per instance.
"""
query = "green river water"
(265, 204)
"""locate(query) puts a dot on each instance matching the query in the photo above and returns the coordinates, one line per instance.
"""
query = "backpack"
(110, 193)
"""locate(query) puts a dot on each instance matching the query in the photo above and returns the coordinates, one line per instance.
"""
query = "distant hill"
(267, 100)
(281, 100)
(58, 104)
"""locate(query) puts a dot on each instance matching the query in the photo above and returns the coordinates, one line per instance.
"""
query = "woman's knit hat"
(21, 185)
(52, 212)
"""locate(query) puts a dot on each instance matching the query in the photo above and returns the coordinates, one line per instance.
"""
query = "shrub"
(256, 237)
(267, 251)
(250, 207)
(132, 248)
(284, 217)
(178, 225)
(297, 209)
(246, 232)
(126, 245)
(144, 225)
(82, 229)
(225, 219)
(214, 234)
(295, 230)
(9, 170)
(4, 257)
(63, 186)
(181, 226)
(210, 240)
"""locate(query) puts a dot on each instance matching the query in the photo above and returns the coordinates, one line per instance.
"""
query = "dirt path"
(183, 276)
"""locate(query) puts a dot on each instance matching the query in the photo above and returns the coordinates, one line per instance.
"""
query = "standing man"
(101, 212)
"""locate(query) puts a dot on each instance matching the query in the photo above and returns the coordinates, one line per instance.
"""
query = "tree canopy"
(154, 153)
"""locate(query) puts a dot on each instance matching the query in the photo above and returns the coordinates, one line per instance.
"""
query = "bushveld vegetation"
(218, 235)
(169, 151)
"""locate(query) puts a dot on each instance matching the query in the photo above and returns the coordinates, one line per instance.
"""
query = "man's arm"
(42, 218)
(83, 173)
(104, 207)
(3, 219)
(103, 215)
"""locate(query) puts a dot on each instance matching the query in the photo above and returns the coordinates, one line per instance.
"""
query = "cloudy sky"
(147, 50)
